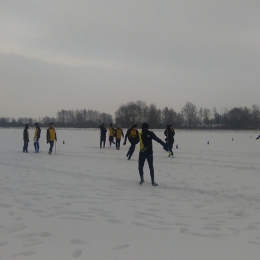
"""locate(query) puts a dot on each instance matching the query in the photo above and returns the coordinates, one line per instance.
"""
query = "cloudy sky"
(93, 54)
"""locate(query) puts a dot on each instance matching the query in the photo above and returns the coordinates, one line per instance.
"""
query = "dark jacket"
(146, 137)
(26, 134)
(132, 136)
(169, 133)
(103, 131)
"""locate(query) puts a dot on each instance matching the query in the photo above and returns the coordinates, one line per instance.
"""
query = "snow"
(85, 202)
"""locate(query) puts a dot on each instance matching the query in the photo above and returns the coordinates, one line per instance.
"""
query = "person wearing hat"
(25, 138)
(132, 136)
(51, 137)
(103, 133)
(118, 134)
(111, 134)
(37, 134)
(169, 133)
(146, 151)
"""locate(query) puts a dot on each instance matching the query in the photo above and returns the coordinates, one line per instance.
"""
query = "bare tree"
(206, 116)
(189, 112)
(255, 115)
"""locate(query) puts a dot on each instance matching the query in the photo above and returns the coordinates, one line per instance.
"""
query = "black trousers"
(170, 145)
(131, 150)
(25, 146)
(118, 141)
(51, 146)
(142, 157)
(102, 141)
(111, 140)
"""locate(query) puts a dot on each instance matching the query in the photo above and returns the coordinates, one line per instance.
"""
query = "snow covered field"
(86, 203)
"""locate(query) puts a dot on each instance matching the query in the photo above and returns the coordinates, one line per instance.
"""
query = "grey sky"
(76, 54)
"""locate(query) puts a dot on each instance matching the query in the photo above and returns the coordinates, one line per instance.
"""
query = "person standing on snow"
(118, 134)
(169, 133)
(111, 134)
(132, 135)
(103, 133)
(146, 151)
(37, 134)
(51, 137)
(25, 138)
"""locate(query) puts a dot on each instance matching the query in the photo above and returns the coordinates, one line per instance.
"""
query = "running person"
(169, 133)
(132, 135)
(146, 152)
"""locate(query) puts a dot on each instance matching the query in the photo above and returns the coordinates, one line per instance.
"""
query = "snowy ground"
(85, 202)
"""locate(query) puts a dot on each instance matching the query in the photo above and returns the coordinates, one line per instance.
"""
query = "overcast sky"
(93, 54)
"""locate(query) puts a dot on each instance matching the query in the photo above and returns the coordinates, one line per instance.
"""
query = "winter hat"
(134, 126)
(37, 124)
(111, 124)
(51, 124)
(145, 126)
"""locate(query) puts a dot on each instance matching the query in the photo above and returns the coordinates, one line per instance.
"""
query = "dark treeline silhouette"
(65, 118)
(189, 117)
(138, 112)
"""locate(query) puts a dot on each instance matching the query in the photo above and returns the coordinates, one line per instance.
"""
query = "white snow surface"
(86, 203)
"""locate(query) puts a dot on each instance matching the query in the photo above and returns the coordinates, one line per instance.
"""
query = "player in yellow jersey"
(37, 135)
(51, 137)
(118, 134)
(132, 136)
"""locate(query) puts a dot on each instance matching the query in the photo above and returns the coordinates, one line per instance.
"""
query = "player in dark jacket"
(25, 138)
(37, 135)
(103, 133)
(111, 130)
(146, 151)
(132, 136)
(169, 133)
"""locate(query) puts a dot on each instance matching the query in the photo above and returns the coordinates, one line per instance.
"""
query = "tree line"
(138, 112)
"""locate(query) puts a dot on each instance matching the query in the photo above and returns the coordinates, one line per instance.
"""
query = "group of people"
(145, 138)
(51, 137)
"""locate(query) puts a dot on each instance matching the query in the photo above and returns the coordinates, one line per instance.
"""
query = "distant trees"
(65, 118)
(139, 112)
(81, 118)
